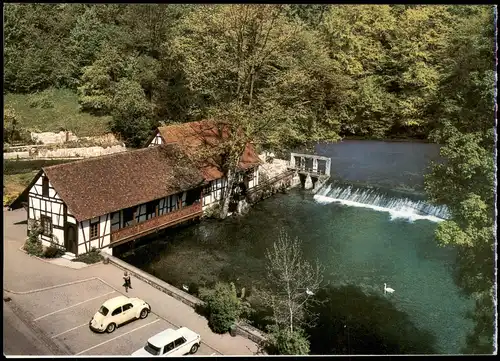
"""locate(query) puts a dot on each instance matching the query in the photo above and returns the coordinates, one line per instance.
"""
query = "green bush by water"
(286, 342)
(222, 306)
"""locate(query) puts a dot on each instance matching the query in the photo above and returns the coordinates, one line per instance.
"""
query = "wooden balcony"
(151, 225)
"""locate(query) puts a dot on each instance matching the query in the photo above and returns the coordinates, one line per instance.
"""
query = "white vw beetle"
(171, 343)
(117, 311)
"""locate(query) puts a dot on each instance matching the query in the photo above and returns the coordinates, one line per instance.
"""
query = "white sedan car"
(117, 311)
(171, 343)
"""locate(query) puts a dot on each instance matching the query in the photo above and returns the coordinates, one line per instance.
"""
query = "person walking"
(127, 284)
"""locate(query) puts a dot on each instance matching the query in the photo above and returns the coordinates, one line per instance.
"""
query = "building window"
(141, 215)
(151, 209)
(115, 221)
(94, 230)
(172, 203)
(46, 223)
(45, 186)
(128, 217)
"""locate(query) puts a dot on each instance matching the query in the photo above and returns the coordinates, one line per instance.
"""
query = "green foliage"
(95, 94)
(222, 306)
(35, 39)
(89, 33)
(13, 131)
(285, 75)
(131, 113)
(93, 256)
(65, 114)
(53, 251)
(465, 182)
(373, 71)
(286, 342)
(40, 100)
(33, 244)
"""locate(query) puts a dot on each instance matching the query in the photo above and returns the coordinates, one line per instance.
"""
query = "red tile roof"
(191, 136)
(100, 185)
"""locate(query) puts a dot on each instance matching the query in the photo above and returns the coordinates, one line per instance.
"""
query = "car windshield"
(103, 311)
(152, 349)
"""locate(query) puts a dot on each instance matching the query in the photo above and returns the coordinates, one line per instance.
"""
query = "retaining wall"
(86, 152)
(243, 329)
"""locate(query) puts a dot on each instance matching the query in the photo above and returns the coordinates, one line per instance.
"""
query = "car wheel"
(111, 327)
(144, 313)
(194, 348)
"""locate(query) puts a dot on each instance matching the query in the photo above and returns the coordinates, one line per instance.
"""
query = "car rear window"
(103, 311)
(152, 349)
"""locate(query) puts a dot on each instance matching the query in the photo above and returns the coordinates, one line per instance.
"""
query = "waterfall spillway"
(399, 206)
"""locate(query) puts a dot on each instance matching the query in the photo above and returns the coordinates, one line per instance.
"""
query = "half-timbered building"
(106, 201)
(194, 135)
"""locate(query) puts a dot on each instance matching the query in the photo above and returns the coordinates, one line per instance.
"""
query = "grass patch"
(15, 166)
(53, 110)
(91, 257)
(14, 185)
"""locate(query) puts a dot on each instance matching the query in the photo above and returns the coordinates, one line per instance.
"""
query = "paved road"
(42, 292)
(65, 320)
(18, 337)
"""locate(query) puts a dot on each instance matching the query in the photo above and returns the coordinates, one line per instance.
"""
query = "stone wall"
(83, 152)
(272, 168)
(53, 138)
(65, 137)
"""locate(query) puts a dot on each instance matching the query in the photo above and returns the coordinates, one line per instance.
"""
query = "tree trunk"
(227, 194)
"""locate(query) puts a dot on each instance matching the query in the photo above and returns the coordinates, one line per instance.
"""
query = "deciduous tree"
(465, 181)
(292, 283)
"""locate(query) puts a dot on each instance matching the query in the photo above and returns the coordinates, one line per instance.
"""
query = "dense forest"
(320, 72)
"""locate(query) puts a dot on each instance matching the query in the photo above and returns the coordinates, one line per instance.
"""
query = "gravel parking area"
(63, 314)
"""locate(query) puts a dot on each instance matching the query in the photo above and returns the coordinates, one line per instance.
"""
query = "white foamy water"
(405, 208)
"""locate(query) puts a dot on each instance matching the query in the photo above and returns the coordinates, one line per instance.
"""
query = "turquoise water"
(357, 246)
(376, 236)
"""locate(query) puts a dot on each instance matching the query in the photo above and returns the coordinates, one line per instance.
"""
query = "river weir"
(364, 232)
(400, 205)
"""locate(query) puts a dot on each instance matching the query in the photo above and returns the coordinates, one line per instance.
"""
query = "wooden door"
(71, 239)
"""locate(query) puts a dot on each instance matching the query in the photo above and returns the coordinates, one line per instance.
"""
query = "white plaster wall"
(214, 196)
(44, 206)
(104, 234)
(156, 140)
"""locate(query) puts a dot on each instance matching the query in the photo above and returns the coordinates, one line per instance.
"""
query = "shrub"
(91, 257)
(40, 100)
(53, 251)
(222, 306)
(33, 244)
(213, 211)
(286, 342)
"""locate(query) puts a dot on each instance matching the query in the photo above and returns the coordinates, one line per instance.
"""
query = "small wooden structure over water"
(314, 170)
(320, 165)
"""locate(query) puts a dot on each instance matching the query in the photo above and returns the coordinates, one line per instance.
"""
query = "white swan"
(387, 289)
